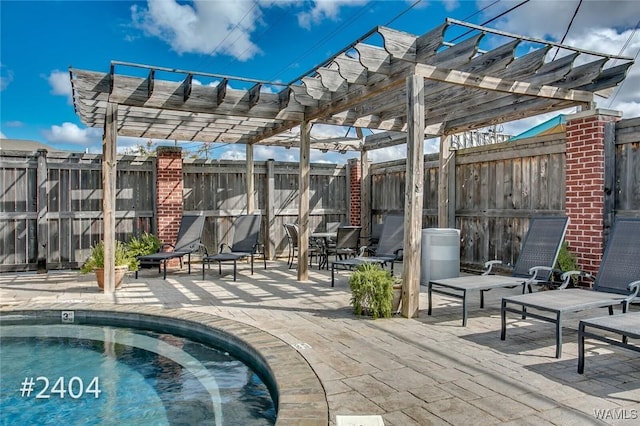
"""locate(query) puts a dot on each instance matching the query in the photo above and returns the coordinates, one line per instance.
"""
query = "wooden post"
(446, 184)
(249, 179)
(365, 195)
(270, 210)
(42, 234)
(347, 169)
(109, 162)
(413, 197)
(303, 207)
(609, 178)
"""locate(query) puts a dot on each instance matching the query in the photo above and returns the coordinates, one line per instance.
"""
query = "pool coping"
(301, 399)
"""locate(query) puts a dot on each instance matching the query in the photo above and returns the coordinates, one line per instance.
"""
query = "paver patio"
(422, 371)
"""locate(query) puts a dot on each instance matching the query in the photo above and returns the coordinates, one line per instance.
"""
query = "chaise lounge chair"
(246, 243)
(626, 325)
(188, 241)
(534, 265)
(389, 248)
(617, 283)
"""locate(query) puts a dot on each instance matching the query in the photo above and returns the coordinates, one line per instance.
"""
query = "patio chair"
(347, 242)
(246, 243)
(188, 242)
(535, 263)
(292, 242)
(617, 283)
(388, 251)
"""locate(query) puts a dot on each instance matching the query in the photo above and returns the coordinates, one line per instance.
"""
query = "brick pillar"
(169, 196)
(585, 184)
(355, 174)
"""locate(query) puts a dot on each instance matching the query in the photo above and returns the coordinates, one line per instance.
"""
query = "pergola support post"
(109, 163)
(365, 194)
(303, 207)
(250, 179)
(42, 233)
(413, 197)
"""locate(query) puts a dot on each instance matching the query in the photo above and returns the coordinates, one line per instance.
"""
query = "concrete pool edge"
(300, 395)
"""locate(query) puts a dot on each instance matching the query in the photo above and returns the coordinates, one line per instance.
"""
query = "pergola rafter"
(418, 84)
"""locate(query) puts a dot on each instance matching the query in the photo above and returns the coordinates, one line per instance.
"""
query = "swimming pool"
(79, 374)
(178, 359)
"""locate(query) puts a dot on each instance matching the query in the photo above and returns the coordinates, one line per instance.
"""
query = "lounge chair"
(626, 325)
(389, 248)
(616, 284)
(535, 263)
(188, 242)
(246, 243)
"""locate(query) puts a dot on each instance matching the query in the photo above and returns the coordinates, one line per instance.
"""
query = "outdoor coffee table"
(458, 288)
(626, 325)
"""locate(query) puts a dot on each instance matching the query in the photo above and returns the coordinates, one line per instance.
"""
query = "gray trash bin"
(440, 254)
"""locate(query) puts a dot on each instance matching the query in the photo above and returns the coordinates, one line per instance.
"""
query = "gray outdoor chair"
(626, 325)
(535, 263)
(617, 283)
(314, 249)
(246, 243)
(188, 242)
(388, 251)
(347, 242)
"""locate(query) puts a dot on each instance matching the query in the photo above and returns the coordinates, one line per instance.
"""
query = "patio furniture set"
(617, 281)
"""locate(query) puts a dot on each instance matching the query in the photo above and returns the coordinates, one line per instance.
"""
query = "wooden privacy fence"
(51, 204)
(499, 187)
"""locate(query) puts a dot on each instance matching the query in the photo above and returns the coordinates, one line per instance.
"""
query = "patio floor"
(422, 371)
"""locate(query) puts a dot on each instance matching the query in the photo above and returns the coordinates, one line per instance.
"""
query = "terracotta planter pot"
(120, 273)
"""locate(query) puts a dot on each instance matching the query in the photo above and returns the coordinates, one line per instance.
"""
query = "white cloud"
(6, 77)
(208, 27)
(70, 133)
(60, 84)
(324, 9)
(2, 136)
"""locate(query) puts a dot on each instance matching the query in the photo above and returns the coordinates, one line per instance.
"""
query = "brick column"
(355, 174)
(585, 183)
(169, 196)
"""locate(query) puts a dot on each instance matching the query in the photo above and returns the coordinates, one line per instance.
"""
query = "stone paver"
(422, 371)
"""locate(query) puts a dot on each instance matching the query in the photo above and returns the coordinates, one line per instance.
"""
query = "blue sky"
(263, 39)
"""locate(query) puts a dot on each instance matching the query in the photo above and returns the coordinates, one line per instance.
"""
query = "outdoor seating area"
(409, 372)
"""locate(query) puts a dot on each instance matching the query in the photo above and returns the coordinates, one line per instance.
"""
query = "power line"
(493, 19)
(568, 28)
(613, 98)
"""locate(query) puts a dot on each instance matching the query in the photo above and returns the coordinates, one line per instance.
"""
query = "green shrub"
(123, 257)
(567, 262)
(146, 244)
(371, 290)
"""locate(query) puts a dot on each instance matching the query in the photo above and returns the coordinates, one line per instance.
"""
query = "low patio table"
(627, 325)
(458, 287)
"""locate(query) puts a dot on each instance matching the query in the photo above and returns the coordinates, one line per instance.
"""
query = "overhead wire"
(493, 19)
(626, 44)
(568, 28)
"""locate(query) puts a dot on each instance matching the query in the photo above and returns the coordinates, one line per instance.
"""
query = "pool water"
(108, 376)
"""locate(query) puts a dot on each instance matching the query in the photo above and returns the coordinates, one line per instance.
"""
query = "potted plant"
(124, 262)
(372, 291)
(566, 262)
(146, 244)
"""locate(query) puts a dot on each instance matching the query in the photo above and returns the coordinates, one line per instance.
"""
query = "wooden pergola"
(411, 87)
